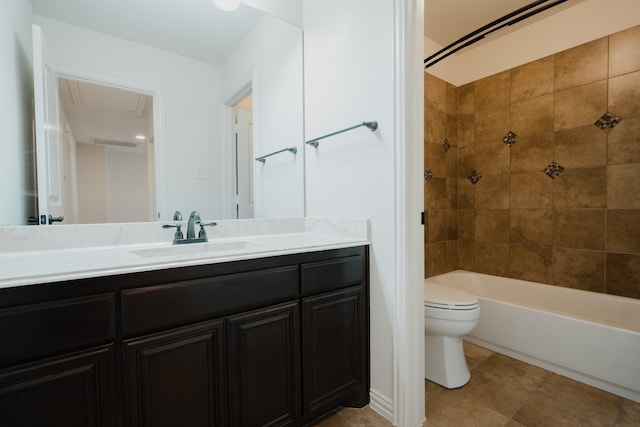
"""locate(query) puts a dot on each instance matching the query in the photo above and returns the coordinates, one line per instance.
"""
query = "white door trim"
(40, 78)
(409, 312)
(239, 91)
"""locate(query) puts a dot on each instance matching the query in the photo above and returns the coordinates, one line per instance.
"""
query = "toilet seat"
(447, 298)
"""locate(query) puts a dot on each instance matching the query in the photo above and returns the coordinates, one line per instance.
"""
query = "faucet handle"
(203, 234)
(178, 234)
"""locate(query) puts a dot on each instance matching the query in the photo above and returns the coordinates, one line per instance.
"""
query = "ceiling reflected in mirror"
(100, 114)
(196, 29)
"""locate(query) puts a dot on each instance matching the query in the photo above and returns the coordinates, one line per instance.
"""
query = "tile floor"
(506, 392)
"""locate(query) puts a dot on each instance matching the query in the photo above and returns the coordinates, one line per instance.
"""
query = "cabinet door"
(176, 377)
(264, 366)
(335, 350)
(66, 391)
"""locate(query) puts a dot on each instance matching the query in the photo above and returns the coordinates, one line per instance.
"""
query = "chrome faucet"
(194, 219)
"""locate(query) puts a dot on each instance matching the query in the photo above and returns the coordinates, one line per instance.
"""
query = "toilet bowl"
(449, 314)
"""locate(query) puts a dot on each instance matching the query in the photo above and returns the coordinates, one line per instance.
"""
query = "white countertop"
(31, 255)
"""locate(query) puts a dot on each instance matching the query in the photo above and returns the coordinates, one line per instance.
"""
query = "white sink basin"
(198, 250)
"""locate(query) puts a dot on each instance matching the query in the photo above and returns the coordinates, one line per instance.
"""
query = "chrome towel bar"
(262, 159)
(372, 126)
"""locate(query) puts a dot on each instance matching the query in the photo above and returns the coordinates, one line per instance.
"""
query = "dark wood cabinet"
(264, 366)
(334, 345)
(72, 390)
(270, 341)
(177, 377)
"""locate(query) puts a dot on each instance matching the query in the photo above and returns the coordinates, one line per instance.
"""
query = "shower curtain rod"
(490, 28)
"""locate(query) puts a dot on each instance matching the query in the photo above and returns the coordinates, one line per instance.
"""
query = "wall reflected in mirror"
(190, 153)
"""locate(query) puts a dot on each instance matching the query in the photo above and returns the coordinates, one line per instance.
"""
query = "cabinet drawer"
(174, 304)
(332, 274)
(41, 329)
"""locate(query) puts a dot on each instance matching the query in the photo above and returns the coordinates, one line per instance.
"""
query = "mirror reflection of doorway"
(243, 153)
(107, 154)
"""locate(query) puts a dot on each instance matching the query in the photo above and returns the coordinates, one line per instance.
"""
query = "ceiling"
(445, 21)
(196, 29)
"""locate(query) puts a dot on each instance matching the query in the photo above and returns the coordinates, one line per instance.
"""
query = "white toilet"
(449, 314)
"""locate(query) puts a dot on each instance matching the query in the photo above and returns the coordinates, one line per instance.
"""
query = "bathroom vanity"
(253, 339)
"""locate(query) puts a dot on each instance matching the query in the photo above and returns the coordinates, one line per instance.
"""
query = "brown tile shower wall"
(441, 176)
(558, 198)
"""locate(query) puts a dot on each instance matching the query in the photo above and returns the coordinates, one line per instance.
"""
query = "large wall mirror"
(163, 107)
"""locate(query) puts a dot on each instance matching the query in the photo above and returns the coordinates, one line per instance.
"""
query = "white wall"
(127, 189)
(271, 55)
(92, 184)
(288, 10)
(362, 63)
(348, 80)
(191, 111)
(68, 167)
(584, 22)
(17, 183)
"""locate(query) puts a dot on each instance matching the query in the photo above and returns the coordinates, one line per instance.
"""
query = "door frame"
(243, 87)
(44, 82)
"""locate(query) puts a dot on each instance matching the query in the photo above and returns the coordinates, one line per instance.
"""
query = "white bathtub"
(590, 337)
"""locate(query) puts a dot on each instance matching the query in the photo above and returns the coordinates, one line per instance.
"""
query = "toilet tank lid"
(447, 295)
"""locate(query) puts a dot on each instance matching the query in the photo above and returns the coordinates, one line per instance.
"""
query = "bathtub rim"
(558, 289)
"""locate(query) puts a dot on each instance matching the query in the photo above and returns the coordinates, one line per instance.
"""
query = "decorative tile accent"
(428, 175)
(510, 138)
(446, 145)
(474, 177)
(608, 121)
(553, 170)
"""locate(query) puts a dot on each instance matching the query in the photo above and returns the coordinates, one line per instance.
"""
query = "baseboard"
(381, 404)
